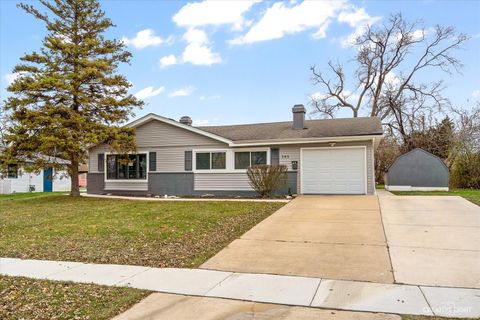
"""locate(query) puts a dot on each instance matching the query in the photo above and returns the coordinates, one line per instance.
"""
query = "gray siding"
(126, 185)
(417, 168)
(95, 183)
(169, 142)
(179, 184)
(222, 181)
(156, 133)
(210, 182)
(291, 153)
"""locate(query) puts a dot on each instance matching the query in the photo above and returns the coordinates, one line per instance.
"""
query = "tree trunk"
(75, 187)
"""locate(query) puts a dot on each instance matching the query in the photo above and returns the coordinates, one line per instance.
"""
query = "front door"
(48, 180)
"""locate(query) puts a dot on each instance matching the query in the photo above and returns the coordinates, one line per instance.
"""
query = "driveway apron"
(333, 237)
(433, 240)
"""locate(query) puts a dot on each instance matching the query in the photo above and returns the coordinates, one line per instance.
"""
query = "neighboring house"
(175, 158)
(48, 180)
(82, 175)
(417, 170)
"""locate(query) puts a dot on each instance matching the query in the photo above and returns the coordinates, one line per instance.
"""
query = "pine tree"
(69, 95)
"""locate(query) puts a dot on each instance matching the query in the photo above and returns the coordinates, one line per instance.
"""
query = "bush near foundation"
(266, 179)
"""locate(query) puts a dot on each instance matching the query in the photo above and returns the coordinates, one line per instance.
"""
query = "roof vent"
(298, 111)
(186, 120)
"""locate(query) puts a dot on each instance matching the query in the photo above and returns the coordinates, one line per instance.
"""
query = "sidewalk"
(276, 289)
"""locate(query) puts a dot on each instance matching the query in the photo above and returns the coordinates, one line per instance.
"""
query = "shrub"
(465, 171)
(265, 179)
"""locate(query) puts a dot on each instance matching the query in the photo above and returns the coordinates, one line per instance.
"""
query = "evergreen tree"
(68, 95)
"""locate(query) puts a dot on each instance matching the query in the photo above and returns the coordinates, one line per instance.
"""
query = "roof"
(325, 128)
(416, 150)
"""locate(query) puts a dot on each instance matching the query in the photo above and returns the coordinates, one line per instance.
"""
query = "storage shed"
(417, 170)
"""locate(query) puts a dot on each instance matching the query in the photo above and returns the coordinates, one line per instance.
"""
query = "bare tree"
(467, 133)
(389, 60)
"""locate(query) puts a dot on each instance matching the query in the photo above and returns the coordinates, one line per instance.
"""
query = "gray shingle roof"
(313, 129)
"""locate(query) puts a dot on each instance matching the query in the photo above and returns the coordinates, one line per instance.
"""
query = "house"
(45, 180)
(322, 156)
(417, 170)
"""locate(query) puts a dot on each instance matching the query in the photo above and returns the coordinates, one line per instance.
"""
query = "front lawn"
(148, 233)
(472, 195)
(23, 298)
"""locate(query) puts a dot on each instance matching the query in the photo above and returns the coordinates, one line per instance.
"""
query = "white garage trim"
(333, 148)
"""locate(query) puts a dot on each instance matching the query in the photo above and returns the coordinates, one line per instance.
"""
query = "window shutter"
(152, 161)
(101, 162)
(188, 160)
(275, 156)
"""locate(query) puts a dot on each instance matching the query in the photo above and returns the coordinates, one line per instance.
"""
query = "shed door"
(333, 171)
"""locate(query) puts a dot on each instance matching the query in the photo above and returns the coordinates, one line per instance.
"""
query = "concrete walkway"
(266, 288)
(335, 237)
(433, 240)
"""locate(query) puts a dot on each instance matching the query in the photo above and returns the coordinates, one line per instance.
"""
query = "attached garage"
(333, 170)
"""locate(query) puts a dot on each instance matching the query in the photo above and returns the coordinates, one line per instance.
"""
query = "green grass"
(27, 195)
(472, 195)
(149, 233)
(23, 298)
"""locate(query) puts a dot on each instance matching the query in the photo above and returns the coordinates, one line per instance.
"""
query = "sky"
(246, 61)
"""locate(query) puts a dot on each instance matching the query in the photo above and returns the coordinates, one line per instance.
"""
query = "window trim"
(250, 150)
(230, 159)
(17, 171)
(105, 173)
(194, 160)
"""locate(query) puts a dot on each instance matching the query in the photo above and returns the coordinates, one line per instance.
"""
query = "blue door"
(48, 180)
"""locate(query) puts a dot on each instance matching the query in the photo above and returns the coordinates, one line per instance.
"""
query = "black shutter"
(188, 160)
(101, 162)
(152, 161)
(274, 156)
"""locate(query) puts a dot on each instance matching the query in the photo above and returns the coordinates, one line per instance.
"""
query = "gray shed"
(417, 170)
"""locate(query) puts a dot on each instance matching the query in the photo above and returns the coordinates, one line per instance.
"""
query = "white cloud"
(356, 18)
(214, 13)
(10, 77)
(282, 19)
(182, 92)
(145, 38)
(193, 16)
(198, 54)
(149, 92)
(214, 97)
(392, 80)
(476, 94)
(198, 50)
(168, 61)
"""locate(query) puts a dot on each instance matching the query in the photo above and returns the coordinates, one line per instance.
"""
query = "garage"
(333, 170)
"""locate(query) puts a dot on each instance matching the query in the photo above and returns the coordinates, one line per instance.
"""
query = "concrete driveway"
(335, 237)
(433, 240)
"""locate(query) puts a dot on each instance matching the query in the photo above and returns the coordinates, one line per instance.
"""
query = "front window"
(210, 160)
(129, 167)
(243, 160)
(12, 171)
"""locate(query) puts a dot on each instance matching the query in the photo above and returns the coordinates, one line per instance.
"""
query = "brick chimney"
(298, 111)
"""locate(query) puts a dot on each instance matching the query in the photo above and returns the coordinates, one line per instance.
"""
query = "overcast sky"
(245, 61)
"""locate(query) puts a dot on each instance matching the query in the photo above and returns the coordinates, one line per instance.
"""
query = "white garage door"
(333, 171)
